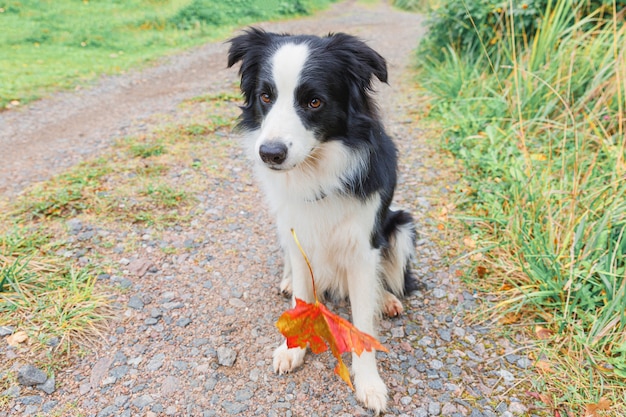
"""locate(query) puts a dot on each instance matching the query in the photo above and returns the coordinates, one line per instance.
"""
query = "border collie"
(328, 170)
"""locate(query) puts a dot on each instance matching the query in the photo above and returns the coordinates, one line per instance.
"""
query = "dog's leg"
(285, 359)
(286, 287)
(364, 299)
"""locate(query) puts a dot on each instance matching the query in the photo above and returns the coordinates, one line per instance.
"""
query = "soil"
(195, 331)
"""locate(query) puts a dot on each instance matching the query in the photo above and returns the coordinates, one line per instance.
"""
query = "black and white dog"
(328, 170)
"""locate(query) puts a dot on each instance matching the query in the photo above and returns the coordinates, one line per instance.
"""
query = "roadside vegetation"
(531, 101)
(58, 44)
(61, 240)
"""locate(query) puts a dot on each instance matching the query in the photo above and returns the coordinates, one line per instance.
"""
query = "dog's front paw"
(372, 392)
(286, 360)
(392, 307)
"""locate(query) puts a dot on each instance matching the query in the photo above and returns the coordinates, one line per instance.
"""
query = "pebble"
(434, 408)
(156, 362)
(233, 407)
(142, 401)
(6, 330)
(49, 386)
(136, 303)
(183, 322)
(517, 408)
(226, 356)
(29, 375)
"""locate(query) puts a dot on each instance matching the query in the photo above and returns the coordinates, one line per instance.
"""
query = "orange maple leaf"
(316, 326)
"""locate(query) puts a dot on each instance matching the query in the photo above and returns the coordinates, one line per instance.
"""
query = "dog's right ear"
(248, 48)
(253, 40)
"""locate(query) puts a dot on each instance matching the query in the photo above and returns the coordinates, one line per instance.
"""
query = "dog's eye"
(265, 98)
(315, 103)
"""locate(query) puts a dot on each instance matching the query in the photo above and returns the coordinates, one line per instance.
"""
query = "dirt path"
(195, 328)
(49, 135)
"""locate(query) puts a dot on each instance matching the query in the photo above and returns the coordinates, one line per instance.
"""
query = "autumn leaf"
(314, 325)
(17, 338)
(602, 405)
(542, 333)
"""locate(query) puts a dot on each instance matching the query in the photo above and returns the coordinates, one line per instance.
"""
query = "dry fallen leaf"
(510, 318)
(592, 409)
(543, 366)
(17, 338)
(316, 326)
(542, 333)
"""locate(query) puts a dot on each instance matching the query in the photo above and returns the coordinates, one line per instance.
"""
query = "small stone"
(135, 302)
(6, 330)
(143, 401)
(434, 408)
(397, 332)
(406, 400)
(84, 388)
(170, 385)
(29, 376)
(49, 406)
(120, 400)
(183, 322)
(244, 394)
(448, 409)
(524, 363)
(108, 411)
(234, 408)
(436, 364)
(31, 399)
(49, 386)
(237, 303)
(439, 293)
(156, 313)
(506, 375)
(226, 356)
(445, 334)
(156, 362)
(420, 412)
(517, 408)
(12, 392)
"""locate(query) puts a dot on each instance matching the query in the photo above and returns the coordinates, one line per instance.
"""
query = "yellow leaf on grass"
(17, 338)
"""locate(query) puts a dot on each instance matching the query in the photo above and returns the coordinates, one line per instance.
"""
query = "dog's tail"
(400, 234)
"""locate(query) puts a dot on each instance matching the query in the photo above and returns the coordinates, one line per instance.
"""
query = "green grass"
(48, 45)
(541, 132)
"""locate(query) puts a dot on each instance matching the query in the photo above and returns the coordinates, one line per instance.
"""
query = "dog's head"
(302, 91)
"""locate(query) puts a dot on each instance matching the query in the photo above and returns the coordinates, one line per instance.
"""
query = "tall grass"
(539, 124)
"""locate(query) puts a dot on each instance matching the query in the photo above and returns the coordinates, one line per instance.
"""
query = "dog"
(328, 170)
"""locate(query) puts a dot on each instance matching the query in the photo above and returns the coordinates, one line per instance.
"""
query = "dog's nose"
(273, 153)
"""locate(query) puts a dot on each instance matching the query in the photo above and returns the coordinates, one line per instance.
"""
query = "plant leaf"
(316, 326)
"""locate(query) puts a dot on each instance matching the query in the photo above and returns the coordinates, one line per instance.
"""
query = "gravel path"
(196, 331)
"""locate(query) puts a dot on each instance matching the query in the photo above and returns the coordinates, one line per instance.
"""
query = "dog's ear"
(361, 60)
(248, 48)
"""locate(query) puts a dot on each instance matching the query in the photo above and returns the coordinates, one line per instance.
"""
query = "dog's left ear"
(361, 60)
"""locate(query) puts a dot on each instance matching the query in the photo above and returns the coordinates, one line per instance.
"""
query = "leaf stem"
(295, 238)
